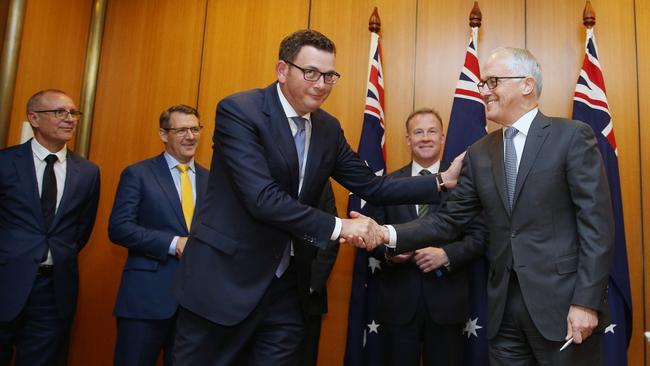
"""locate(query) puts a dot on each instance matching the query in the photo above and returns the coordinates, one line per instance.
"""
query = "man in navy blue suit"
(151, 219)
(48, 202)
(241, 283)
(423, 301)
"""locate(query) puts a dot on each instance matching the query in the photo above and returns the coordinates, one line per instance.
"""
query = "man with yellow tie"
(152, 215)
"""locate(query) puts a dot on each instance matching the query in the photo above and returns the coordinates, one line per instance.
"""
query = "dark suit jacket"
(146, 216)
(321, 260)
(558, 237)
(403, 285)
(252, 207)
(23, 236)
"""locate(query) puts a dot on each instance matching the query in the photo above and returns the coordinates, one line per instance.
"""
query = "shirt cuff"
(392, 236)
(172, 246)
(337, 229)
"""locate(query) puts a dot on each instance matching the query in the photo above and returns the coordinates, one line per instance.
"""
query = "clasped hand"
(362, 232)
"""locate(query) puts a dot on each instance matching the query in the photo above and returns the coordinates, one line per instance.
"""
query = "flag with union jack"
(466, 125)
(590, 106)
(363, 330)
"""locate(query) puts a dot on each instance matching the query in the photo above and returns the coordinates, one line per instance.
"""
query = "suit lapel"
(496, 157)
(281, 132)
(536, 136)
(26, 172)
(410, 210)
(69, 187)
(163, 176)
(316, 150)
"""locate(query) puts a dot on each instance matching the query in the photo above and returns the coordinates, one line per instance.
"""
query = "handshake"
(362, 232)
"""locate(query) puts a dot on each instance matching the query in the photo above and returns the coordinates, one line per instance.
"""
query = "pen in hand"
(566, 344)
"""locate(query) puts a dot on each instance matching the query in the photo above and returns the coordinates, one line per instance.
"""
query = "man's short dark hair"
(293, 43)
(179, 108)
(424, 111)
(34, 101)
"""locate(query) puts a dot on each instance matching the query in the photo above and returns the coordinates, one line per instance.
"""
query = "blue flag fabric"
(590, 106)
(466, 125)
(363, 342)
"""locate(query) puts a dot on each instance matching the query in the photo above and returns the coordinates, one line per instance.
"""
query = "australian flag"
(466, 125)
(590, 106)
(363, 330)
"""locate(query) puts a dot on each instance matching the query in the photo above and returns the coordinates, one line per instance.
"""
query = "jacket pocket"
(215, 239)
(567, 265)
(141, 263)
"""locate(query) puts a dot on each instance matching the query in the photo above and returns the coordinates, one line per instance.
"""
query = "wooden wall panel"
(642, 8)
(4, 8)
(346, 23)
(240, 55)
(150, 60)
(52, 54)
(443, 33)
(556, 36)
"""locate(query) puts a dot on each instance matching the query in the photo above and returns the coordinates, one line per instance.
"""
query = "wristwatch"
(440, 182)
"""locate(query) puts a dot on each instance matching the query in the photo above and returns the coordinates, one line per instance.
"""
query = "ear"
(528, 86)
(33, 119)
(163, 135)
(281, 70)
(408, 139)
(443, 138)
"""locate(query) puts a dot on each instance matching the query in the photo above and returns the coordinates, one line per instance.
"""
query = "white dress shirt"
(290, 112)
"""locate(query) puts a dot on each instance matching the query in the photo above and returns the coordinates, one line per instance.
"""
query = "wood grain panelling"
(4, 8)
(241, 50)
(443, 33)
(346, 23)
(556, 36)
(150, 60)
(52, 53)
(642, 8)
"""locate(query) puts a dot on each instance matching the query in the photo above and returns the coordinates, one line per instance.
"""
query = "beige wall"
(158, 53)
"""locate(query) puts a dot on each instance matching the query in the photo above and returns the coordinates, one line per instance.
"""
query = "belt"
(45, 269)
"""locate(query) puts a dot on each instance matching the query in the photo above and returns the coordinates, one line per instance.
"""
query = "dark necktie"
(510, 162)
(48, 191)
(423, 209)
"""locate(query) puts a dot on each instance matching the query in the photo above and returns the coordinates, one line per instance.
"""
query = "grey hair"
(522, 62)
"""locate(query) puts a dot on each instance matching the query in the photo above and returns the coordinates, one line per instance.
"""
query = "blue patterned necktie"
(299, 139)
(510, 162)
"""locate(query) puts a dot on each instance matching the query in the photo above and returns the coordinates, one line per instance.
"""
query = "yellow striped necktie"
(187, 198)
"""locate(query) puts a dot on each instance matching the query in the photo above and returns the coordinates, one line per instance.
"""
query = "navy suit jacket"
(253, 210)
(146, 216)
(403, 285)
(23, 236)
(559, 235)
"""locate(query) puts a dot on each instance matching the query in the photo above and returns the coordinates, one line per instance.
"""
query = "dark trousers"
(140, 341)
(308, 354)
(37, 334)
(270, 335)
(519, 343)
(439, 344)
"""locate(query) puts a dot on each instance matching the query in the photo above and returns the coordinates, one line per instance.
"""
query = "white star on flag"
(373, 264)
(471, 327)
(373, 327)
(610, 328)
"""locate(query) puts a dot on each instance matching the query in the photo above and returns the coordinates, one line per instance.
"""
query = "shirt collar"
(523, 123)
(286, 106)
(172, 162)
(415, 168)
(41, 152)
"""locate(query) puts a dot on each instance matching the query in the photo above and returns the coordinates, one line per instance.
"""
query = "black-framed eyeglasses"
(493, 81)
(63, 113)
(182, 131)
(330, 77)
